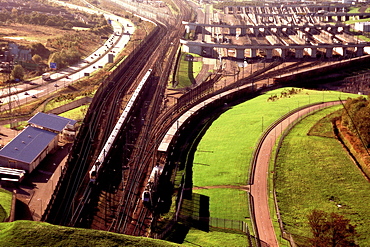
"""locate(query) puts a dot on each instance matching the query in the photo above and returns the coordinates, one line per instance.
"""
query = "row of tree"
(45, 19)
(63, 50)
(331, 230)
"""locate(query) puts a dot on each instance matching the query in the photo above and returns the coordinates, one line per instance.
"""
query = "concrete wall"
(71, 105)
(6, 162)
(305, 76)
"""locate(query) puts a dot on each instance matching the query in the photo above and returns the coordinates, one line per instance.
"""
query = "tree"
(40, 49)
(331, 230)
(17, 72)
(37, 58)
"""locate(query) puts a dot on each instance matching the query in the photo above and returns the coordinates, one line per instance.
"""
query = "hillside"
(31, 233)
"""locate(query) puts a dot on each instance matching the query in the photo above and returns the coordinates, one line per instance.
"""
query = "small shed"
(65, 127)
(52, 122)
(28, 149)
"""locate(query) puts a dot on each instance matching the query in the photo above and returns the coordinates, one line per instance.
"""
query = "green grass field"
(5, 204)
(224, 152)
(188, 70)
(315, 172)
(76, 113)
(215, 237)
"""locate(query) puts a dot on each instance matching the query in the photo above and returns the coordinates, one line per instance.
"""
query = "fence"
(222, 223)
(287, 236)
(71, 105)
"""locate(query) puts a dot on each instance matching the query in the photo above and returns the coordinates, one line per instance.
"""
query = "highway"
(30, 90)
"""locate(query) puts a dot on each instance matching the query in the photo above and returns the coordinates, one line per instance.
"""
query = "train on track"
(94, 171)
(150, 188)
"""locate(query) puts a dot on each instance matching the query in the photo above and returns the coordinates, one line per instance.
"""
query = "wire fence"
(287, 236)
(236, 225)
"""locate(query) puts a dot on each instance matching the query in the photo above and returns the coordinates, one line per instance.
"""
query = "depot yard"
(315, 172)
(222, 160)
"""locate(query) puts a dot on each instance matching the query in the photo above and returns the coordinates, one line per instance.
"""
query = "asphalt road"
(259, 189)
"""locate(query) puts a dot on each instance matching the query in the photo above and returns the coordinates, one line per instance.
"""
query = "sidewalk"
(36, 190)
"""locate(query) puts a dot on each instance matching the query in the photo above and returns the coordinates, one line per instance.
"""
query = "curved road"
(259, 186)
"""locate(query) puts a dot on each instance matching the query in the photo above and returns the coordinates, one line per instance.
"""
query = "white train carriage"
(94, 172)
(152, 183)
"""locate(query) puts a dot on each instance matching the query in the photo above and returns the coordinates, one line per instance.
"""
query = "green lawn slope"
(30, 233)
(222, 160)
(315, 172)
(5, 204)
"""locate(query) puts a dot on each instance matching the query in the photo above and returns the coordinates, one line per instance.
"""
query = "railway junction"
(275, 31)
(114, 202)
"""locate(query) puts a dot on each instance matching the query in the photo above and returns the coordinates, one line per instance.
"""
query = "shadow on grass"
(2, 214)
(194, 214)
(190, 60)
(22, 211)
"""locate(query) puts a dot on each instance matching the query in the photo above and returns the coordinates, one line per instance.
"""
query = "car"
(56, 85)
(34, 96)
(26, 93)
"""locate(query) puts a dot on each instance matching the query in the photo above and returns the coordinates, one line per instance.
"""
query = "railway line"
(134, 218)
(114, 202)
(94, 132)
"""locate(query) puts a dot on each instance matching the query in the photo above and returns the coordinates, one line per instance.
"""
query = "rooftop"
(28, 144)
(51, 121)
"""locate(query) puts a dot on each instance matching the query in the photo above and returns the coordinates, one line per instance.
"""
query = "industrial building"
(40, 138)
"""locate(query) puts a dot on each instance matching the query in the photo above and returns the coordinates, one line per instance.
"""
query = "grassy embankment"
(5, 205)
(315, 172)
(223, 155)
(188, 70)
(30, 233)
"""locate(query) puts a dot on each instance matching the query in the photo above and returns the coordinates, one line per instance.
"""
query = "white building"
(362, 26)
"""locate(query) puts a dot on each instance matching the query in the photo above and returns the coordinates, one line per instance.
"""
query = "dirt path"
(259, 187)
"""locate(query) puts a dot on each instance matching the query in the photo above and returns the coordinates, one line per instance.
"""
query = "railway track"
(130, 216)
(97, 125)
(134, 218)
(115, 203)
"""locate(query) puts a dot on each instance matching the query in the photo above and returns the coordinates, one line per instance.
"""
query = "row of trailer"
(94, 171)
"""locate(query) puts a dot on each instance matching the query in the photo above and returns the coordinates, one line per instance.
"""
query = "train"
(150, 188)
(94, 171)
